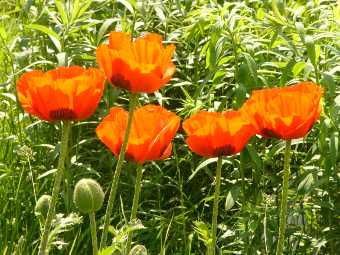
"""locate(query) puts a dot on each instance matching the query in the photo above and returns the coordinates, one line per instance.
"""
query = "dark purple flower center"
(225, 150)
(62, 114)
(118, 80)
(266, 132)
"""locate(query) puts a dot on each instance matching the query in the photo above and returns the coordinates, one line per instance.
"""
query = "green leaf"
(129, 4)
(47, 173)
(278, 7)
(53, 35)
(200, 166)
(61, 9)
(202, 231)
(44, 29)
(260, 14)
(240, 94)
(310, 45)
(254, 156)
(334, 145)
(62, 59)
(328, 81)
(229, 202)
(104, 27)
(298, 67)
(306, 184)
(10, 96)
(252, 68)
(84, 8)
(301, 30)
(273, 38)
(337, 100)
(204, 164)
(160, 13)
(107, 251)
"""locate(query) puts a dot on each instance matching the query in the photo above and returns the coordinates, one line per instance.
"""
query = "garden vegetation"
(169, 127)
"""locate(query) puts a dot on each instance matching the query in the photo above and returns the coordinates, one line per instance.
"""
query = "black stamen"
(119, 81)
(270, 133)
(225, 150)
(62, 114)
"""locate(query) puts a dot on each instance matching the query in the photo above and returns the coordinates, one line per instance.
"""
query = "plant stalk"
(244, 200)
(134, 204)
(212, 250)
(284, 199)
(43, 249)
(93, 233)
(132, 105)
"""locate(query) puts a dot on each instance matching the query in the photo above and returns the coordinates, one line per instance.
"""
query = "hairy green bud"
(42, 206)
(138, 250)
(88, 196)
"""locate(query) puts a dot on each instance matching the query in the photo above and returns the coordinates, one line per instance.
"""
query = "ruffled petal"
(152, 130)
(213, 134)
(142, 65)
(54, 95)
(285, 113)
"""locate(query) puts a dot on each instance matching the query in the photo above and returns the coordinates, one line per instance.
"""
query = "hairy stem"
(212, 250)
(132, 105)
(93, 232)
(135, 204)
(284, 199)
(244, 200)
(43, 249)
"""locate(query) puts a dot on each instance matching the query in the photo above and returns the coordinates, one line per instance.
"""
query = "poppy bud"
(138, 250)
(88, 195)
(42, 206)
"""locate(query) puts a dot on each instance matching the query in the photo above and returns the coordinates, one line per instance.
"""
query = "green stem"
(244, 199)
(56, 187)
(212, 249)
(317, 74)
(284, 199)
(93, 232)
(132, 105)
(243, 179)
(135, 204)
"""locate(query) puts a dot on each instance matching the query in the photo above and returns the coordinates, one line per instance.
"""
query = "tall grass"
(224, 51)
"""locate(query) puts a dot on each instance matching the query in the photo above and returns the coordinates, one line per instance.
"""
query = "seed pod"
(88, 196)
(42, 206)
(138, 250)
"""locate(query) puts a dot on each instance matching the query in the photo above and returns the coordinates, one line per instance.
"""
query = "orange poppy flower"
(142, 65)
(285, 113)
(152, 130)
(65, 93)
(213, 134)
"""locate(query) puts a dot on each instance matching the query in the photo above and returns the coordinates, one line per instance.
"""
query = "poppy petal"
(285, 113)
(54, 95)
(142, 65)
(213, 134)
(152, 130)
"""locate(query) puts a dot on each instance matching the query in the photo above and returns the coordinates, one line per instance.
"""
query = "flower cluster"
(144, 65)
(144, 134)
